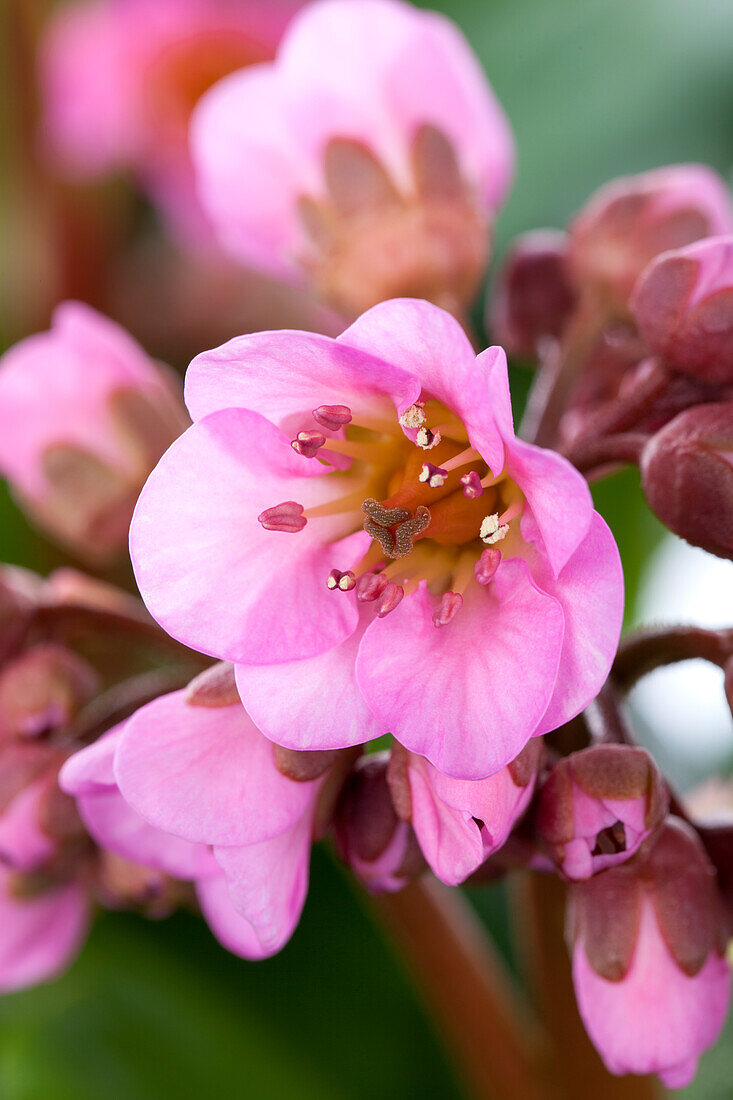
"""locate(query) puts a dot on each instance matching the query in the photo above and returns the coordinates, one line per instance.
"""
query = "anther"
(308, 444)
(426, 439)
(332, 417)
(434, 475)
(344, 582)
(492, 531)
(370, 586)
(392, 595)
(485, 568)
(287, 516)
(413, 416)
(449, 606)
(472, 487)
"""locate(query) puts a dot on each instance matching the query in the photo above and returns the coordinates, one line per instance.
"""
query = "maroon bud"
(687, 476)
(42, 690)
(598, 806)
(534, 296)
(380, 848)
(683, 305)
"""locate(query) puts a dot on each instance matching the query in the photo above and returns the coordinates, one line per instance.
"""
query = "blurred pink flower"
(459, 823)
(84, 415)
(649, 970)
(371, 157)
(521, 638)
(120, 78)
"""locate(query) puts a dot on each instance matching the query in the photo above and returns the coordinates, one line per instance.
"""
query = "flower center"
(435, 520)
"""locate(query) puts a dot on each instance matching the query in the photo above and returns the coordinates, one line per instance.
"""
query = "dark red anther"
(308, 444)
(287, 516)
(472, 487)
(343, 582)
(393, 595)
(332, 417)
(449, 606)
(485, 568)
(434, 476)
(370, 586)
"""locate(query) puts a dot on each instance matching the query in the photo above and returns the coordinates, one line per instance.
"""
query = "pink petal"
(311, 704)
(40, 935)
(268, 882)
(211, 575)
(468, 696)
(232, 930)
(429, 343)
(590, 590)
(23, 843)
(288, 374)
(92, 768)
(205, 774)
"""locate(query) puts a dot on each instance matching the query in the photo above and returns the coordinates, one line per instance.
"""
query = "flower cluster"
(373, 612)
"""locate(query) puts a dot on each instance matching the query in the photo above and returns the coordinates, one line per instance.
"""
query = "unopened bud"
(648, 941)
(683, 305)
(534, 295)
(84, 417)
(598, 806)
(631, 220)
(380, 848)
(687, 476)
(42, 690)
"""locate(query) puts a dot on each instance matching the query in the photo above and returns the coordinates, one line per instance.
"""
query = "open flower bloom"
(369, 159)
(84, 415)
(598, 806)
(205, 775)
(650, 975)
(121, 77)
(424, 573)
(459, 823)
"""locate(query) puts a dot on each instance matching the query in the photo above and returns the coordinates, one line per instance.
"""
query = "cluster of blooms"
(349, 528)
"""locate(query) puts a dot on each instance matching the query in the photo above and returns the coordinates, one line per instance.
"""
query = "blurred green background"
(594, 89)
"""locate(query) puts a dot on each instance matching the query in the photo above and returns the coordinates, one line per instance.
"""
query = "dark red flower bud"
(683, 305)
(687, 476)
(598, 806)
(380, 848)
(42, 689)
(533, 296)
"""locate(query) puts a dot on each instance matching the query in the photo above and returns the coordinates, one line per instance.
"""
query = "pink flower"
(459, 823)
(370, 158)
(598, 806)
(683, 305)
(488, 602)
(650, 975)
(84, 415)
(205, 775)
(121, 77)
(631, 220)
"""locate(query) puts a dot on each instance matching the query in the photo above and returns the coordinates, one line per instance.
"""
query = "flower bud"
(683, 305)
(380, 849)
(598, 806)
(42, 689)
(459, 823)
(84, 417)
(631, 220)
(687, 476)
(533, 296)
(648, 941)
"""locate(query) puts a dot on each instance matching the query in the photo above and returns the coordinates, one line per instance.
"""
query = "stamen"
(344, 582)
(515, 509)
(287, 516)
(332, 417)
(308, 444)
(492, 531)
(366, 452)
(427, 439)
(393, 595)
(485, 568)
(348, 503)
(370, 586)
(463, 459)
(434, 475)
(413, 416)
(472, 487)
(449, 606)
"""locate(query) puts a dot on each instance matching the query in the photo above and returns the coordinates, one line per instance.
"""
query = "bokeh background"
(594, 89)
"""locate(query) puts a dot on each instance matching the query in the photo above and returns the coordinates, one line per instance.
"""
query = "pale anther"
(413, 416)
(491, 530)
(434, 476)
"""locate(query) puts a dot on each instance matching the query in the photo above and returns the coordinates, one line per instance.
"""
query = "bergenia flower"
(120, 78)
(369, 159)
(206, 775)
(84, 415)
(354, 524)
